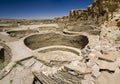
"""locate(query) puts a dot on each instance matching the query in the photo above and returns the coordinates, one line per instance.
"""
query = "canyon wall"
(98, 12)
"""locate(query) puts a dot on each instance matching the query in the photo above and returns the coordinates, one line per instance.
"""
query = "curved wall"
(50, 39)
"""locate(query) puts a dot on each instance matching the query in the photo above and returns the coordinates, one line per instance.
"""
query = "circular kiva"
(57, 55)
(5, 55)
(20, 33)
(59, 48)
(89, 29)
(37, 41)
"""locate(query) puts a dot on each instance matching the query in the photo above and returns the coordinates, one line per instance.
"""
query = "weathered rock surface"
(107, 78)
(98, 62)
(110, 56)
(99, 11)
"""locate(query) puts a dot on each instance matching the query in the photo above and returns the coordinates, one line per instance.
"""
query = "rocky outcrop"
(98, 12)
(60, 19)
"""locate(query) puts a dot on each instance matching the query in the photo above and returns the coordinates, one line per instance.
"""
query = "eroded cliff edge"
(96, 13)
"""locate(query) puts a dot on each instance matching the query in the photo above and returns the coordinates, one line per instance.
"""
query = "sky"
(39, 8)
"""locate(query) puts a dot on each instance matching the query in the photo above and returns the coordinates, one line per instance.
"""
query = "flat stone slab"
(19, 75)
(77, 67)
(19, 51)
(87, 82)
(107, 78)
(110, 56)
(111, 66)
(6, 38)
(95, 71)
(7, 69)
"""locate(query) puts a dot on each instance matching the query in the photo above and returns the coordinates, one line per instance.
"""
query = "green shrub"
(1, 66)
(13, 34)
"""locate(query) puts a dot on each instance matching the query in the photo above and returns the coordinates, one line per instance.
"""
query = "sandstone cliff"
(98, 12)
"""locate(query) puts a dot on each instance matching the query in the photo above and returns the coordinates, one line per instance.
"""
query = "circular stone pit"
(92, 30)
(57, 55)
(5, 55)
(37, 41)
(21, 33)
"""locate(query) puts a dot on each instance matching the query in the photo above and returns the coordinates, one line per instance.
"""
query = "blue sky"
(39, 8)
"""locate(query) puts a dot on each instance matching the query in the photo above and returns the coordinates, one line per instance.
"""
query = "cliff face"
(61, 19)
(98, 12)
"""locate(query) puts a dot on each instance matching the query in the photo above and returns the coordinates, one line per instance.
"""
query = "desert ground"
(62, 50)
